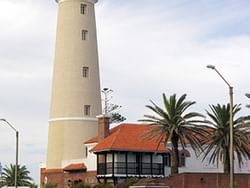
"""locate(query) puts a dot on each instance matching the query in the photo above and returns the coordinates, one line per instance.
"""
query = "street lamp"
(248, 96)
(13, 128)
(230, 124)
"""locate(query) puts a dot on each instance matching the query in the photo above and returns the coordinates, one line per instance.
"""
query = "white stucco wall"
(196, 164)
(89, 160)
(245, 168)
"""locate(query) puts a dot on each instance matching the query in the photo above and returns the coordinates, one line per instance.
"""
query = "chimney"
(103, 127)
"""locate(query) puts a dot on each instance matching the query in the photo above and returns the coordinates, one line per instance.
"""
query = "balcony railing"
(130, 168)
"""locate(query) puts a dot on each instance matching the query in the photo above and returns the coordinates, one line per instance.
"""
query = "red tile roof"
(92, 140)
(79, 166)
(131, 137)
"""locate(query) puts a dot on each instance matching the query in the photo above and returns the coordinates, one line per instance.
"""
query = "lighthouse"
(76, 96)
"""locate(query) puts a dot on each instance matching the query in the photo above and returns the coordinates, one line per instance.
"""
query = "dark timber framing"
(117, 165)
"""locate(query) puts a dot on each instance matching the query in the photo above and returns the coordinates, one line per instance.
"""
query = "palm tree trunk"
(174, 155)
(227, 163)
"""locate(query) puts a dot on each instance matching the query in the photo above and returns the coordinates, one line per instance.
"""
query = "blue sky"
(145, 48)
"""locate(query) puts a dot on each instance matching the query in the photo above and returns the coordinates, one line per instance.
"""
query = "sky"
(146, 48)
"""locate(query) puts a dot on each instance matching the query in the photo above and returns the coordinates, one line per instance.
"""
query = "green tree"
(23, 178)
(217, 143)
(116, 117)
(179, 126)
(110, 108)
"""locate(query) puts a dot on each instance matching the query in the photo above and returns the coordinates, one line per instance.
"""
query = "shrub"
(50, 185)
(82, 185)
(127, 182)
(104, 185)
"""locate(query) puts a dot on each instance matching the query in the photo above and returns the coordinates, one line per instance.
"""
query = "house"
(127, 151)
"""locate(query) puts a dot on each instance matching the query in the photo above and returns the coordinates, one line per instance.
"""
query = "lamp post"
(13, 128)
(248, 96)
(230, 124)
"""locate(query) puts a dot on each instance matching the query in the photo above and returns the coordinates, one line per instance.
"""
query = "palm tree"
(23, 178)
(217, 143)
(177, 125)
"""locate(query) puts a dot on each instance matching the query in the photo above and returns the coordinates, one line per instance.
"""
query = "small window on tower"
(84, 34)
(85, 72)
(83, 8)
(87, 110)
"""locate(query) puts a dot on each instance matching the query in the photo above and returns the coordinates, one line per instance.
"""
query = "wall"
(61, 178)
(197, 180)
(202, 180)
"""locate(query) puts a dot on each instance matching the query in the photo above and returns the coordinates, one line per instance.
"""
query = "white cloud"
(144, 53)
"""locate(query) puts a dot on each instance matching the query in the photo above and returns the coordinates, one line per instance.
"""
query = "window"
(166, 160)
(84, 34)
(83, 8)
(85, 72)
(182, 160)
(87, 110)
(86, 151)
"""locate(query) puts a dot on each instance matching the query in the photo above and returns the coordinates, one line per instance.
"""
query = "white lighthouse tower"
(76, 96)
